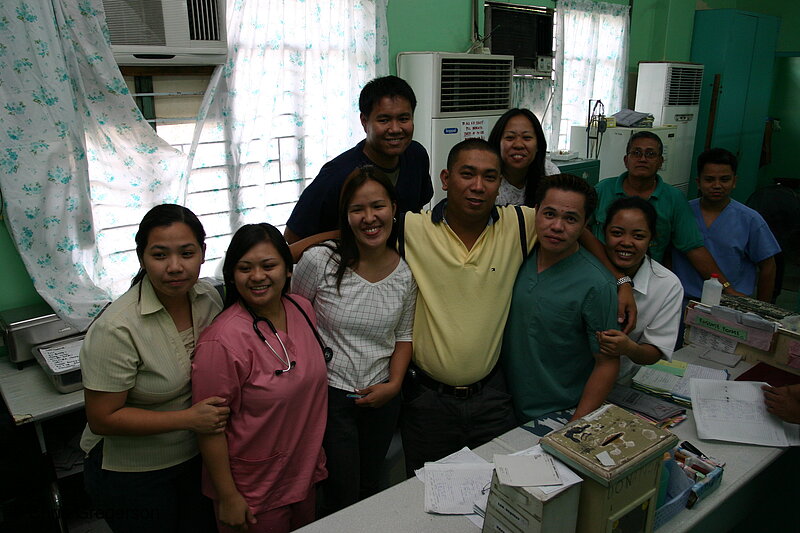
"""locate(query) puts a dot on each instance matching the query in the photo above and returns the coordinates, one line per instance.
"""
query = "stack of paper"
(532, 467)
(671, 380)
(460, 483)
(734, 411)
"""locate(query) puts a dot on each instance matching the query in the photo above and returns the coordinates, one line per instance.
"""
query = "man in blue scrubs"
(387, 114)
(562, 297)
(644, 155)
(738, 237)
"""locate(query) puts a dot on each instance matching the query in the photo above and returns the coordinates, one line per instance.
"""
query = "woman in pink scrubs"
(262, 354)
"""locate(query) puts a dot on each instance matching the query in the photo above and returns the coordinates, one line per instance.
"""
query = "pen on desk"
(689, 446)
(699, 465)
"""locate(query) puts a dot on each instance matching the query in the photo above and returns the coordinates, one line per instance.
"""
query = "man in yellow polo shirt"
(464, 255)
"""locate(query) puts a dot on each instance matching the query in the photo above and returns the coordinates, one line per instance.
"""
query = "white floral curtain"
(79, 166)
(285, 102)
(536, 95)
(591, 62)
(76, 157)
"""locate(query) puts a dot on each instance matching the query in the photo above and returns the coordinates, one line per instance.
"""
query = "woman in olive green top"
(143, 469)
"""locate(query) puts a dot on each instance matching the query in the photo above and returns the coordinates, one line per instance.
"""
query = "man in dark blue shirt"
(387, 114)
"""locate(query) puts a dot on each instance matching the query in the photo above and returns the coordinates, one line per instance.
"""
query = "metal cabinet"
(738, 51)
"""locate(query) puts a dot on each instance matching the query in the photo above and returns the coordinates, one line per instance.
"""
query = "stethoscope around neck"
(327, 352)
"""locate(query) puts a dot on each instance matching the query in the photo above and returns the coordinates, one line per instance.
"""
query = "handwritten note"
(734, 411)
(454, 488)
(464, 455)
(63, 357)
(476, 127)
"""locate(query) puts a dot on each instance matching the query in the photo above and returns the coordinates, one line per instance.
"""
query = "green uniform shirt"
(549, 341)
(675, 222)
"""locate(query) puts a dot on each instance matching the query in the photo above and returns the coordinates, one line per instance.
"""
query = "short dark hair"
(570, 183)
(645, 135)
(473, 143)
(634, 202)
(245, 238)
(716, 156)
(160, 216)
(390, 86)
(536, 169)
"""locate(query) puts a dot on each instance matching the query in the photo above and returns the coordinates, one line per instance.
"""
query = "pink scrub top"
(276, 423)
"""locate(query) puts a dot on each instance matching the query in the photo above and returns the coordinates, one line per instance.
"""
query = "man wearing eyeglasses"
(675, 225)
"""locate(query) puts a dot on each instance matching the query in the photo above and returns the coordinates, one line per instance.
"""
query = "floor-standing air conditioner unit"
(458, 96)
(671, 93)
(167, 32)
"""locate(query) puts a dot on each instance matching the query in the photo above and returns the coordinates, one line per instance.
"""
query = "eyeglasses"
(649, 154)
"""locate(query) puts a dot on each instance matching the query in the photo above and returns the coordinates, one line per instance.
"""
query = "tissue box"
(680, 486)
(683, 492)
(619, 456)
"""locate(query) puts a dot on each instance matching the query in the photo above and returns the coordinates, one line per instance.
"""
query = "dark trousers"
(356, 441)
(436, 424)
(160, 501)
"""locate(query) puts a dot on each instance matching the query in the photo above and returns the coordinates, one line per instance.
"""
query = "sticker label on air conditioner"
(450, 131)
(474, 128)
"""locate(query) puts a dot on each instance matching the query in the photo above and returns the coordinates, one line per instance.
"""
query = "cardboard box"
(529, 510)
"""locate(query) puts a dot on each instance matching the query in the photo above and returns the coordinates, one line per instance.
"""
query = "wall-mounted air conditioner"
(671, 93)
(167, 32)
(458, 96)
(523, 31)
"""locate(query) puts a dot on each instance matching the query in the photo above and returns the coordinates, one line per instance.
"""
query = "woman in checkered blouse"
(364, 296)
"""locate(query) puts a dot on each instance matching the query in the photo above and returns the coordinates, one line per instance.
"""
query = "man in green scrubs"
(675, 226)
(562, 296)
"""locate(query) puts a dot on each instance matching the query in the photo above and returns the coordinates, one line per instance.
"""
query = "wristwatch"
(726, 285)
(627, 279)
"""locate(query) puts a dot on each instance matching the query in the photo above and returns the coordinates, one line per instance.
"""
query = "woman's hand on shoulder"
(626, 308)
(377, 395)
(613, 342)
(208, 416)
(235, 513)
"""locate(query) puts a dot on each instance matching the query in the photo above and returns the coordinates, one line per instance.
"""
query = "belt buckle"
(462, 392)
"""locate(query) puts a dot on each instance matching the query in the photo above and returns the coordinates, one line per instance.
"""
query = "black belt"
(460, 391)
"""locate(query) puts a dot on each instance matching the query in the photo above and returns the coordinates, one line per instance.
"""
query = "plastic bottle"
(712, 291)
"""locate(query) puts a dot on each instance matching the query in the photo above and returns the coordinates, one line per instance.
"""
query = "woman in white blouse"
(630, 227)
(519, 138)
(364, 297)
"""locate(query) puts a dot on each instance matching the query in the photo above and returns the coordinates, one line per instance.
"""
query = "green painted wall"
(783, 107)
(660, 31)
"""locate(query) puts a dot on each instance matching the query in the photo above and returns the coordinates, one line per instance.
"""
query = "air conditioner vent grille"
(683, 86)
(475, 84)
(135, 23)
(203, 20)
